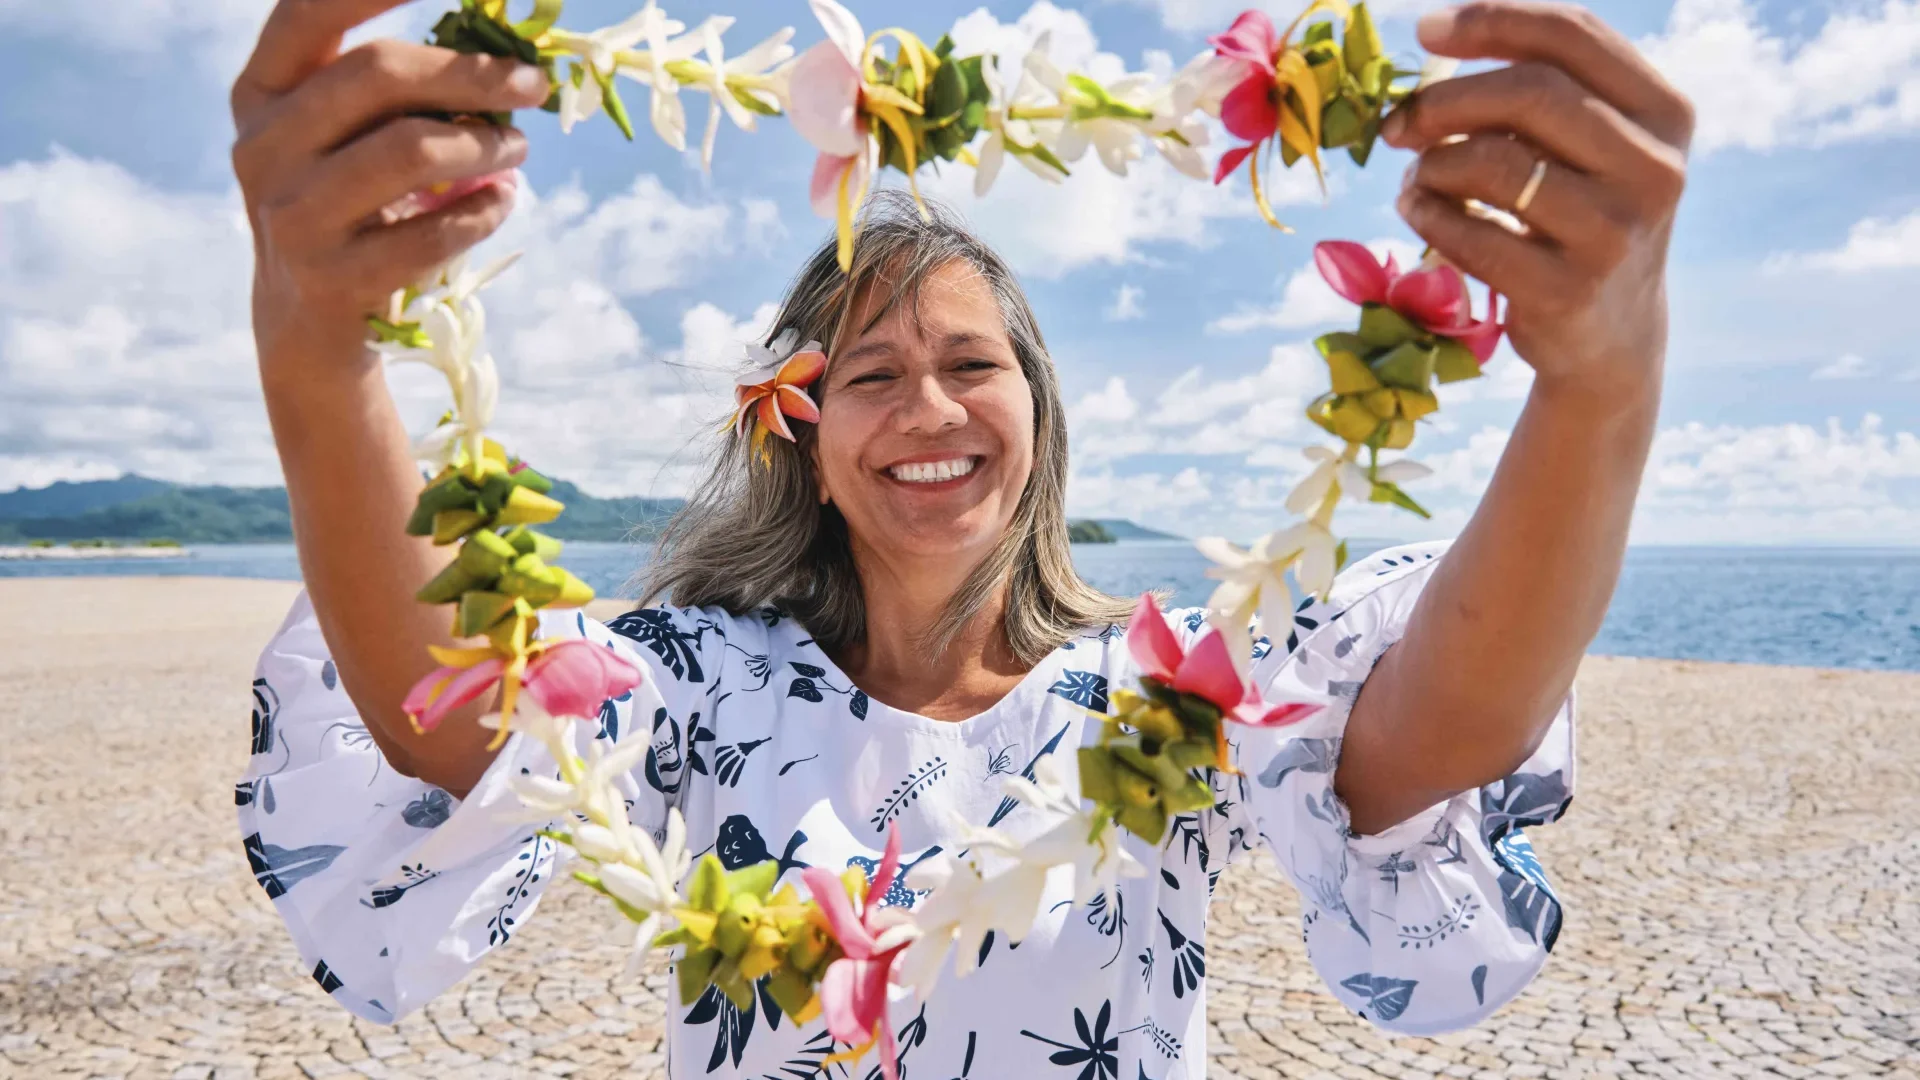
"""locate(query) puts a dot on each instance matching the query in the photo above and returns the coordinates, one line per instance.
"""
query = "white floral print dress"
(393, 890)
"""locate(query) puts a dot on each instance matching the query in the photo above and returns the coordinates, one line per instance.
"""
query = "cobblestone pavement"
(1741, 872)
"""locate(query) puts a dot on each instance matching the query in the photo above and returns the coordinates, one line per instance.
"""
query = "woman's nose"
(929, 408)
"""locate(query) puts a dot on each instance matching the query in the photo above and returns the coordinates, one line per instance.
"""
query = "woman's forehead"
(951, 300)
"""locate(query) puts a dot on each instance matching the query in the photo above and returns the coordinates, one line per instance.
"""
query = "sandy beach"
(1741, 871)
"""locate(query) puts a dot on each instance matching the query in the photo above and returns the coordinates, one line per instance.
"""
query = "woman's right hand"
(326, 140)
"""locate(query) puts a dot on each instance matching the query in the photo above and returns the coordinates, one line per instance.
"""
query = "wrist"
(1626, 394)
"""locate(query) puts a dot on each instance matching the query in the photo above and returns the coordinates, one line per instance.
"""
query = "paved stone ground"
(1741, 871)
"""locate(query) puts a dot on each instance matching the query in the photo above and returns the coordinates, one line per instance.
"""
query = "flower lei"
(835, 951)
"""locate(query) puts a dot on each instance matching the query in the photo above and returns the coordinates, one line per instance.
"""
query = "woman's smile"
(946, 472)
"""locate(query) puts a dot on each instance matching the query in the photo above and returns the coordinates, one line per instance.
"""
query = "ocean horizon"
(1831, 607)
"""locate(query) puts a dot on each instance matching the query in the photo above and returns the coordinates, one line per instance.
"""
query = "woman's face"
(925, 438)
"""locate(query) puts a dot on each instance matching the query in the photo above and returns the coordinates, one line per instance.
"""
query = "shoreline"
(209, 589)
(23, 553)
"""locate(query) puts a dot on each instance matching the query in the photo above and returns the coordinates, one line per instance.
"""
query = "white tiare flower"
(1250, 583)
(954, 913)
(1099, 859)
(600, 792)
(653, 68)
(749, 73)
(1331, 468)
(1008, 134)
(599, 51)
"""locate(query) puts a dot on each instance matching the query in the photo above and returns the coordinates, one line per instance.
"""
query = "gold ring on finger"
(1532, 186)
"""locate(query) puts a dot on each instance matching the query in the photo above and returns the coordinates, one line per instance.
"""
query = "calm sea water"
(1855, 608)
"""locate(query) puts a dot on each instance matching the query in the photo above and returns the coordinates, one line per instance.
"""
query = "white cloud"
(1845, 366)
(1859, 76)
(1047, 230)
(219, 34)
(125, 340)
(1214, 16)
(1240, 415)
(1307, 300)
(1126, 305)
(1871, 244)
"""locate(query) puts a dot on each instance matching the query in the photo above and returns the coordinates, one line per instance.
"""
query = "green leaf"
(1454, 362)
(1408, 366)
(752, 104)
(1317, 33)
(1340, 557)
(1362, 45)
(545, 14)
(1340, 123)
(944, 46)
(756, 880)
(1384, 492)
(708, 889)
(1090, 88)
(616, 109)
(1381, 327)
(695, 971)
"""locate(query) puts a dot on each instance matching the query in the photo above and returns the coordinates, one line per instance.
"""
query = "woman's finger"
(1570, 37)
(1533, 99)
(1568, 207)
(299, 37)
(387, 78)
(402, 156)
(394, 256)
(1518, 267)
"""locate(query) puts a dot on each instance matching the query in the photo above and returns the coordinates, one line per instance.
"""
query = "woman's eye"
(869, 377)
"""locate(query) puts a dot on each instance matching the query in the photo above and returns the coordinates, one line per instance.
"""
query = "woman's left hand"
(1586, 287)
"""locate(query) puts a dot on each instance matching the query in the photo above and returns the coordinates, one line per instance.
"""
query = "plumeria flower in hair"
(776, 388)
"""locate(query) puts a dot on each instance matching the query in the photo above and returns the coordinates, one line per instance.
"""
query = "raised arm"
(1492, 647)
(325, 141)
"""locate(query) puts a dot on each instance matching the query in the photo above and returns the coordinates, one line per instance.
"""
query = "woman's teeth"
(931, 472)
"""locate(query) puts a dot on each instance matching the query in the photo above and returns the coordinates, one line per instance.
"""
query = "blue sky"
(1178, 321)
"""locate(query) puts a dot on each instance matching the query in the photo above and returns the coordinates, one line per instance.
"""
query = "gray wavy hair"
(753, 535)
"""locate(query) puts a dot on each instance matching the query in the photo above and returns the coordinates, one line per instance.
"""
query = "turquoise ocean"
(1813, 607)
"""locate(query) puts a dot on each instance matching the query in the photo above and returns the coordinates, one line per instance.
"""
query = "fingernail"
(1404, 203)
(1394, 125)
(528, 81)
(1406, 178)
(1435, 26)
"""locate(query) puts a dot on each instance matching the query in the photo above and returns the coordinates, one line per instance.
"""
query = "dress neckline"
(979, 723)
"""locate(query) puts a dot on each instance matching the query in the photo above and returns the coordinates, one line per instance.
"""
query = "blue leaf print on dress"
(897, 894)
(857, 704)
(415, 875)
(1530, 904)
(1301, 755)
(1186, 828)
(266, 705)
(664, 760)
(677, 649)
(1189, 958)
(322, 974)
(1087, 689)
(532, 861)
(1096, 1052)
(740, 844)
(429, 811)
(908, 791)
(1387, 997)
(278, 869)
(731, 759)
(736, 1025)
(1007, 803)
(329, 675)
(1521, 800)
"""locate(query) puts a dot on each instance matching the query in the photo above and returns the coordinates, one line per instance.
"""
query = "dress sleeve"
(391, 888)
(1435, 923)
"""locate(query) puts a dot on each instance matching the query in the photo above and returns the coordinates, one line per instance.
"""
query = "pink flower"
(823, 102)
(446, 689)
(1250, 110)
(1433, 297)
(1206, 670)
(573, 677)
(853, 993)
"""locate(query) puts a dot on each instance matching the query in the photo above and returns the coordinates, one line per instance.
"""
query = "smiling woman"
(870, 652)
(939, 463)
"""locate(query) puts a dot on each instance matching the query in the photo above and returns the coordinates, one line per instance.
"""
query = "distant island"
(140, 508)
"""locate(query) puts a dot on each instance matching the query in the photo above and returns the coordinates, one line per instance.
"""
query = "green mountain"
(1122, 529)
(63, 498)
(138, 508)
